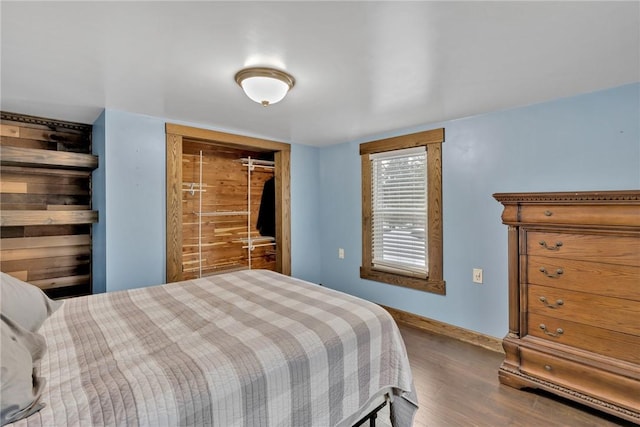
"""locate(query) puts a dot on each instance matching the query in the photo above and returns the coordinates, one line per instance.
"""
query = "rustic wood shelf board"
(46, 158)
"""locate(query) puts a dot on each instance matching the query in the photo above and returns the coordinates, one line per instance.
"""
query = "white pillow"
(24, 303)
(21, 387)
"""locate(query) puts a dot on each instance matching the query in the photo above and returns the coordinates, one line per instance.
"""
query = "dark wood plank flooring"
(457, 385)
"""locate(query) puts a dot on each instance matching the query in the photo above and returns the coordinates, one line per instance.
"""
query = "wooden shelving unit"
(45, 203)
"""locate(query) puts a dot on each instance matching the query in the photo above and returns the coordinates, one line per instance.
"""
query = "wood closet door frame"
(175, 134)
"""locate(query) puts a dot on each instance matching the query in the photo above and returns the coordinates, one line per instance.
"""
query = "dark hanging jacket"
(266, 224)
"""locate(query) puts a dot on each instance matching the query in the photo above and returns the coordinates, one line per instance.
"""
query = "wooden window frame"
(432, 140)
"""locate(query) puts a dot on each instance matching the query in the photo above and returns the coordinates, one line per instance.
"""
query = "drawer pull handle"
(547, 367)
(544, 301)
(550, 248)
(555, 275)
(557, 333)
(548, 213)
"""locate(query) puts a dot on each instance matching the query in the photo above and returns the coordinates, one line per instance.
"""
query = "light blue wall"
(132, 216)
(589, 142)
(305, 208)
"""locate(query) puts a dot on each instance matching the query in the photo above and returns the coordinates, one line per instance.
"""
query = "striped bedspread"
(248, 348)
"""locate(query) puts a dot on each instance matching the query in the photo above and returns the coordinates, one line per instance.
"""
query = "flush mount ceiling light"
(263, 85)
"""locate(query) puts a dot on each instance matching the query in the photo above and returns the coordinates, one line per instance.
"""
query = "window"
(402, 211)
(399, 210)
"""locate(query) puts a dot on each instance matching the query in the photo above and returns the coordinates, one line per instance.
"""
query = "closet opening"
(227, 203)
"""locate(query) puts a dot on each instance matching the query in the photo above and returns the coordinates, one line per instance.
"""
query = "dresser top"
(574, 197)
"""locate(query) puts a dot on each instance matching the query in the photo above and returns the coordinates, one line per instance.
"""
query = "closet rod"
(254, 163)
(192, 188)
(258, 161)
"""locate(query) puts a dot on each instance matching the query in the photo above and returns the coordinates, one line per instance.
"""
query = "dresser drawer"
(619, 281)
(610, 343)
(623, 391)
(615, 314)
(622, 215)
(619, 250)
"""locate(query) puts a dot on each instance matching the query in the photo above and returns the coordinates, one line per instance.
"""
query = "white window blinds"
(399, 210)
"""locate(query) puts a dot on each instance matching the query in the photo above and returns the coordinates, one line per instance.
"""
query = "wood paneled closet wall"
(211, 219)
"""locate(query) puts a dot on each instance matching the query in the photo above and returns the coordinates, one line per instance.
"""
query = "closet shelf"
(192, 188)
(221, 213)
(252, 247)
(257, 239)
(218, 267)
(250, 244)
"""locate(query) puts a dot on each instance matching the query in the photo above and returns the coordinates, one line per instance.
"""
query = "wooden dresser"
(574, 297)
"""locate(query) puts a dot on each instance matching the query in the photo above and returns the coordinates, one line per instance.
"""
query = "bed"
(246, 348)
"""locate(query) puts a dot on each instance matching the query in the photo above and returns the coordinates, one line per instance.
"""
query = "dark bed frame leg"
(371, 416)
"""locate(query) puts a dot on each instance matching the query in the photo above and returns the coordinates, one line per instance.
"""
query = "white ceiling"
(361, 68)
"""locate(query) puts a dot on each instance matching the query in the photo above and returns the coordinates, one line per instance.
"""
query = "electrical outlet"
(477, 275)
(340, 253)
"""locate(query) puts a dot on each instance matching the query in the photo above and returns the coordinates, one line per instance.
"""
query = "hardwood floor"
(457, 385)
